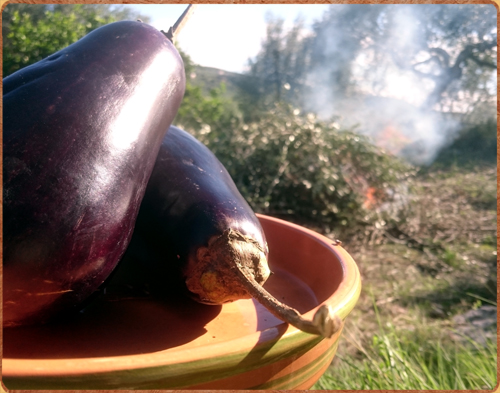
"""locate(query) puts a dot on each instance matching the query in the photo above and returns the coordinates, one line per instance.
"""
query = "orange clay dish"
(143, 342)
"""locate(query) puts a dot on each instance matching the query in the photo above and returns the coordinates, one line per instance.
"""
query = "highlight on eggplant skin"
(81, 130)
(193, 214)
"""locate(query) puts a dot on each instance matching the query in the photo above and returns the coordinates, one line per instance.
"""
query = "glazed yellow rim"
(233, 356)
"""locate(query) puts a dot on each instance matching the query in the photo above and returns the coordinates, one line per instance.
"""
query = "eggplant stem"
(234, 266)
(324, 323)
(174, 30)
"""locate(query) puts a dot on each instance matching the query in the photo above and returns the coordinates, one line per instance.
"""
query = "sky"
(225, 36)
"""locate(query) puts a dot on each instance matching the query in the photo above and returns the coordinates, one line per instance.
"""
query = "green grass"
(403, 334)
(393, 365)
(403, 359)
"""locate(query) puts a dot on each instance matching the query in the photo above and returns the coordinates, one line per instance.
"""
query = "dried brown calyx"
(211, 273)
(234, 266)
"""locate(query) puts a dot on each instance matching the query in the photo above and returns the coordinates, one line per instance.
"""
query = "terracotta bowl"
(150, 344)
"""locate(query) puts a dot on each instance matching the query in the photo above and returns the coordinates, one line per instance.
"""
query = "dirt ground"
(436, 268)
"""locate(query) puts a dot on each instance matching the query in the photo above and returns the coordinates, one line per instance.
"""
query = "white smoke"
(386, 100)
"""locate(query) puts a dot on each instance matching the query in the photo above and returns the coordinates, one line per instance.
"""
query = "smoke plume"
(386, 102)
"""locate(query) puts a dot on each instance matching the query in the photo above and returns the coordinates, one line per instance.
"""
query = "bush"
(474, 146)
(31, 32)
(306, 170)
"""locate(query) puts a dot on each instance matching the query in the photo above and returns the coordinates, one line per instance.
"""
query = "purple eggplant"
(190, 210)
(194, 220)
(81, 131)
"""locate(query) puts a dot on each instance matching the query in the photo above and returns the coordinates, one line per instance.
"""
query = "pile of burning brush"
(431, 211)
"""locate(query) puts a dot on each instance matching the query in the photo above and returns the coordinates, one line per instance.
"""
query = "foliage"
(199, 113)
(304, 169)
(454, 47)
(280, 69)
(474, 145)
(447, 50)
(339, 37)
(202, 112)
(33, 31)
(294, 165)
(409, 360)
(30, 42)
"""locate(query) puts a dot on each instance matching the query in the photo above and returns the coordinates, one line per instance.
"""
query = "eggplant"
(81, 131)
(194, 219)
(190, 211)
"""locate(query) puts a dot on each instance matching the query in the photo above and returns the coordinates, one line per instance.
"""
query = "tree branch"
(442, 55)
(468, 51)
(482, 63)
(455, 72)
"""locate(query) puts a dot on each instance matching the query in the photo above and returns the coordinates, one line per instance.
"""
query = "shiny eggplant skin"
(191, 199)
(81, 131)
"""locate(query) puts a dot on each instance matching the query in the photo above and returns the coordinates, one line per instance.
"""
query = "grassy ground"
(426, 318)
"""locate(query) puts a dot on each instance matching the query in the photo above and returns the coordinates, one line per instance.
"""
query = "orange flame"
(370, 198)
(392, 140)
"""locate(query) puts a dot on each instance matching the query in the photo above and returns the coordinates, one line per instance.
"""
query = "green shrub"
(398, 361)
(474, 145)
(31, 32)
(306, 170)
